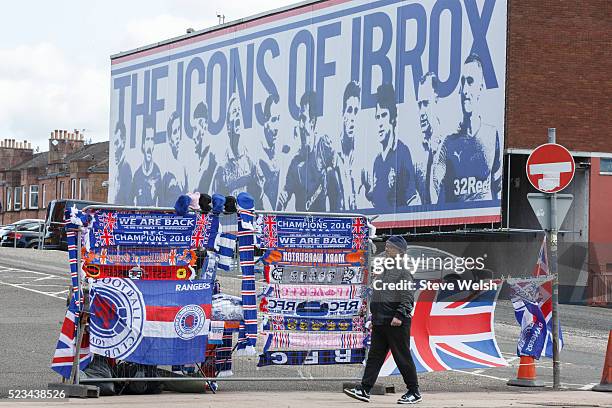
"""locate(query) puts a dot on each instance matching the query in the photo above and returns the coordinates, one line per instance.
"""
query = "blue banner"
(391, 108)
(298, 231)
(533, 328)
(150, 322)
(150, 229)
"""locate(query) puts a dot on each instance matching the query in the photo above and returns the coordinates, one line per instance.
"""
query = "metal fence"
(243, 367)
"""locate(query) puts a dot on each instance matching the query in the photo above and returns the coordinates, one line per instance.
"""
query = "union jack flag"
(198, 238)
(545, 299)
(172, 257)
(542, 264)
(359, 241)
(358, 225)
(452, 334)
(65, 349)
(109, 220)
(202, 221)
(104, 238)
(270, 231)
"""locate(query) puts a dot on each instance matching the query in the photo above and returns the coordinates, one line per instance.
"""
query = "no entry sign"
(550, 168)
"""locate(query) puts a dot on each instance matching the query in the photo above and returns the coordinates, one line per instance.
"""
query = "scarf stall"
(132, 261)
(314, 305)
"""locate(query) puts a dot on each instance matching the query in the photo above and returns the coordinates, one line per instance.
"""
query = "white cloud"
(52, 78)
(42, 90)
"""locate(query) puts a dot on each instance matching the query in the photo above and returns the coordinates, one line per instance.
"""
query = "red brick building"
(558, 75)
(70, 169)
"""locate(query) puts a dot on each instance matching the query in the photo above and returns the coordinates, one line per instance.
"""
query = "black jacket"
(387, 304)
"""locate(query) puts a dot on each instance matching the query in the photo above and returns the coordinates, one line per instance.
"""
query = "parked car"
(24, 235)
(55, 235)
(5, 229)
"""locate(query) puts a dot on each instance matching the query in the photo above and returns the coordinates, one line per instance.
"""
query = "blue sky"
(54, 56)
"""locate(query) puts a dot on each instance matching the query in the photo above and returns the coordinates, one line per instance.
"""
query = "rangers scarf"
(317, 275)
(287, 340)
(247, 336)
(279, 322)
(312, 357)
(314, 308)
(314, 292)
(224, 245)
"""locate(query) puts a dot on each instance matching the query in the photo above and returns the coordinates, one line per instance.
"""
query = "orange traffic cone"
(526, 376)
(606, 375)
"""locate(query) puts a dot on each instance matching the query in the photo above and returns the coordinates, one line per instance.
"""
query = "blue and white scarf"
(224, 245)
(248, 334)
(315, 308)
(312, 357)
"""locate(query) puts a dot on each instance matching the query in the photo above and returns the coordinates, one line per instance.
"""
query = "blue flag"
(150, 322)
(533, 328)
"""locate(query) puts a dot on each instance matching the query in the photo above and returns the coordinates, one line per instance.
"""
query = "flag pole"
(555, 283)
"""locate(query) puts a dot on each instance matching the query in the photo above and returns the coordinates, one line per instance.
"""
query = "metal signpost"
(550, 168)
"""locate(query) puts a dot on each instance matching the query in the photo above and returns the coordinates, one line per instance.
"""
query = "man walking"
(391, 319)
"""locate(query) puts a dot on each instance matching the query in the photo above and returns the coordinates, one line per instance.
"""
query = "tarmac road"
(33, 288)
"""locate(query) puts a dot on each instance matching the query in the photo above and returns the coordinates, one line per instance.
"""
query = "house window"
(83, 189)
(61, 192)
(605, 166)
(17, 199)
(44, 196)
(33, 203)
(73, 189)
(24, 197)
(9, 199)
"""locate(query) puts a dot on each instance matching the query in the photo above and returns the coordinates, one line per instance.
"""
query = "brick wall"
(559, 73)
(12, 153)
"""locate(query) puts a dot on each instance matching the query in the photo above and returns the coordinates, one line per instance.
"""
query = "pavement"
(516, 398)
(33, 288)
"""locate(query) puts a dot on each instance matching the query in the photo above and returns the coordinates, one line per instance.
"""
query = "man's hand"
(366, 180)
(396, 322)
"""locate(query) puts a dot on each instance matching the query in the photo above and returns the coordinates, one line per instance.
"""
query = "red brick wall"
(10, 157)
(600, 239)
(559, 73)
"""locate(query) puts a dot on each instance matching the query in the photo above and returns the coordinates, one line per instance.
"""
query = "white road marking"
(482, 375)
(34, 276)
(563, 385)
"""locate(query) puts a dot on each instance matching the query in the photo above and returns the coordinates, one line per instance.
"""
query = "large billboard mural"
(394, 108)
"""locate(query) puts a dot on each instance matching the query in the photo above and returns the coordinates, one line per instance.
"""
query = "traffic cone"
(526, 376)
(606, 375)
